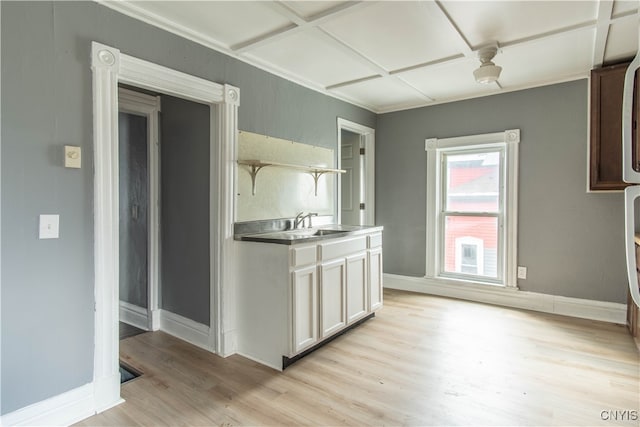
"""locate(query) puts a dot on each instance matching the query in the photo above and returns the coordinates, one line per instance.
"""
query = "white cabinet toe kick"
(288, 361)
(295, 298)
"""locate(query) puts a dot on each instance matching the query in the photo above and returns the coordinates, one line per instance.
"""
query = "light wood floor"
(422, 361)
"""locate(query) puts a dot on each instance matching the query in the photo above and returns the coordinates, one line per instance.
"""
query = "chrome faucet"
(299, 221)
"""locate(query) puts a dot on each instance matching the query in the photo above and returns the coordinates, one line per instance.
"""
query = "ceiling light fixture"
(488, 72)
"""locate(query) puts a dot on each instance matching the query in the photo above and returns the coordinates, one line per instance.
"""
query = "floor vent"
(127, 373)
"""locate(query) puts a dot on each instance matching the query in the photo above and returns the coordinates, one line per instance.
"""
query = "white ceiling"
(392, 55)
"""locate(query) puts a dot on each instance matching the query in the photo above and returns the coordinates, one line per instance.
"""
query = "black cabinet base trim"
(288, 361)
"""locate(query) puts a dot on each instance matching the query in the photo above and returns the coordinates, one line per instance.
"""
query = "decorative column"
(105, 63)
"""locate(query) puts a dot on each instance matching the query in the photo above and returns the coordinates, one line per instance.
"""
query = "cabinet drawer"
(375, 240)
(341, 248)
(303, 255)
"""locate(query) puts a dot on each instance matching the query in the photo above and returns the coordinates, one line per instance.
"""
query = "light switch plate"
(49, 226)
(72, 156)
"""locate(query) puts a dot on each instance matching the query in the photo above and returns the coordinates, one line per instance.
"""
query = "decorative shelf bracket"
(316, 174)
(315, 171)
(253, 171)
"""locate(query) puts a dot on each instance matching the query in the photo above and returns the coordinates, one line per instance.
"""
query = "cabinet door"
(357, 301)
(607, 85)
(332, 297)
(635, 134)
(305, 312)
(375, 279)
(632, 309)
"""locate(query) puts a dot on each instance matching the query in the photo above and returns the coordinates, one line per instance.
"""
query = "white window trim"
(509, 139)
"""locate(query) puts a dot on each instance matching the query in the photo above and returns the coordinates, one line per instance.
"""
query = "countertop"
(308, 235)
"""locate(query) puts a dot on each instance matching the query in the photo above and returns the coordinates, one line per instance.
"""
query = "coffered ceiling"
(394, 55)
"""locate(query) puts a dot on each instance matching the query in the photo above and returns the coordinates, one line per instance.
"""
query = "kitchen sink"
(322, 232)
(304, 235)
(313, 232)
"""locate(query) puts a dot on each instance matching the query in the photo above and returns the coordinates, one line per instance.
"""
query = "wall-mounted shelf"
(315, 171)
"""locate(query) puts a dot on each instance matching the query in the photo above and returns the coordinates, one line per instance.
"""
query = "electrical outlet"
(522, 272)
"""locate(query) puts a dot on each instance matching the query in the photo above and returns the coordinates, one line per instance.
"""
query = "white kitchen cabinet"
(292, 297)
(375, 278)
(357, 301)
(332, 297)
(305, 308)
(374, 262)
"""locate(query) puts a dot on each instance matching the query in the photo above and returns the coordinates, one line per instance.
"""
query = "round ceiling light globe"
(487, 73)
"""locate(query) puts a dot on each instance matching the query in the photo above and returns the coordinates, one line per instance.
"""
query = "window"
(471, 208)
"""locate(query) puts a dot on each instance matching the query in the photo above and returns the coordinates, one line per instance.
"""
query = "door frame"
(110, 67)
(368, 136)
(149, 106)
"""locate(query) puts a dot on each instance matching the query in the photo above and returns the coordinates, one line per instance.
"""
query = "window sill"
(470, 284)
(460, 281)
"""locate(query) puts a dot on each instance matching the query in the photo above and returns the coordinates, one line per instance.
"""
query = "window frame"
(436, 148)
(444, 212)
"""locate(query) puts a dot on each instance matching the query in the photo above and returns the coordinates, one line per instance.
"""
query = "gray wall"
(184, 212)
(571, 241)
(47, 285)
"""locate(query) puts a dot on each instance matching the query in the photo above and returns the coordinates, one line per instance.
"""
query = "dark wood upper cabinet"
(607, 85)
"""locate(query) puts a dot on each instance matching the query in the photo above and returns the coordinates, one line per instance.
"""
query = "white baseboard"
(155, 320)
(229, 342)
(106, 392)
(186, 329)
(574, 307)
(134, 315)
(61, 410)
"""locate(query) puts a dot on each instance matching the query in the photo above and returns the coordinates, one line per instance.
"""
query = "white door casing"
(110, 67)
(148, 106)
(368, 138)
(350, 185)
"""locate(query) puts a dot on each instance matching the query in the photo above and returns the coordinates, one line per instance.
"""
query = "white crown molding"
(511, 297)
